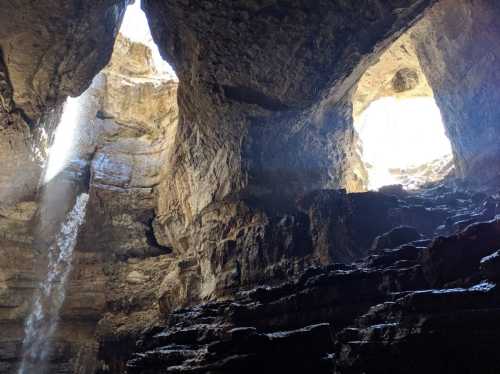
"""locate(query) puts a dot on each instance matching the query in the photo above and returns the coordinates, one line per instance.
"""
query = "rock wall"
(396, 73)
(125, 131)
(132, 121)
(271, 91)
(206, 187)
(18, 277)
(54, 48)
(260, 125)
(376, 316)
(132, 126)
(48, 50)
(458, 46)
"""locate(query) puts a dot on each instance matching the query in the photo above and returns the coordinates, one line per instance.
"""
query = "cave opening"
(401, 137)
(111, 139)
(67, 136)
(403, 141)
(135, 27)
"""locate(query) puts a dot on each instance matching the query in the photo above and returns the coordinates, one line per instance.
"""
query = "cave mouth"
(403, 142)
(135, 27)
(401, 134)
(67, 138)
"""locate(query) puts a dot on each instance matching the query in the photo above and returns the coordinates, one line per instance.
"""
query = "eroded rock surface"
(52, 49)
(48, 50)
(397, 73)
(458, 45)
(261, 98)
(131, 125)
(234, 183)
(265, 123)
(127, 123)
(375, 316)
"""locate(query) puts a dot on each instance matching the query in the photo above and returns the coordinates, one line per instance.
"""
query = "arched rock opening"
(456, 46)
(401, 133)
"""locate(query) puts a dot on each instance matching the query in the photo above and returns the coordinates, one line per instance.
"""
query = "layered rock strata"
(47, 51)
(400, 310)
(125, 127)
(131, 123)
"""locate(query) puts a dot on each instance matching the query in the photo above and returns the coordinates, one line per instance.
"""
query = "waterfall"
(42, 322)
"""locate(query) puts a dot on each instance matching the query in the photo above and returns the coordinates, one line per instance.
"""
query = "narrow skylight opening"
(404, 142)
(135, 27)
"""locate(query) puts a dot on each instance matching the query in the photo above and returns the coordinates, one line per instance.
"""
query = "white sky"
(401, 133)
(136, 28)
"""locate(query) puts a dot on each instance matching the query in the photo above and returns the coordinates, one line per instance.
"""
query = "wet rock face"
(450, 331)
(128, 119)
(266, 242)
(457, 43)
(232, 334)
(450, 258)
(228, 190)
(396, 237)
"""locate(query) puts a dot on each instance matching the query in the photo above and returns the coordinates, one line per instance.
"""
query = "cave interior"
(240, 186)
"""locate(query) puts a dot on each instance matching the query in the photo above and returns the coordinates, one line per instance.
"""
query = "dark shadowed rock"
(490, 266)
(396, 237)
(434, 331)
(456, 258)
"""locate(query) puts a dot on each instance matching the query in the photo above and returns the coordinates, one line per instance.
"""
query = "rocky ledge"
(413, 305)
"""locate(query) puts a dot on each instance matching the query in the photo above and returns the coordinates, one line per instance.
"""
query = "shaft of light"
(60, 152)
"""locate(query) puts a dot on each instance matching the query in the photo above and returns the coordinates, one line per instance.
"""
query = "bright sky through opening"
(60, 152)
(400, 133)
(136, 28)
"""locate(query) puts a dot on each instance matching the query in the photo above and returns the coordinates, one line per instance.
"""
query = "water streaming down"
(42, 322)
